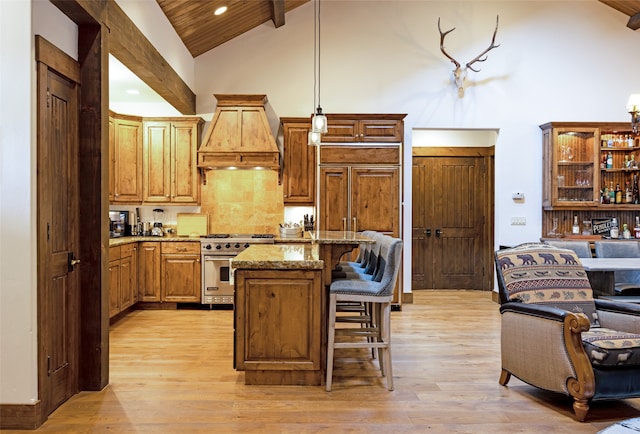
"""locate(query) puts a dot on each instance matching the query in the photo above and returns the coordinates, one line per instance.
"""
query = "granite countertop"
(113, 242)
(279, 257)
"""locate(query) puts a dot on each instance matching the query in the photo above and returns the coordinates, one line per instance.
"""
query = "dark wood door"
(451, 242)
(58, 292)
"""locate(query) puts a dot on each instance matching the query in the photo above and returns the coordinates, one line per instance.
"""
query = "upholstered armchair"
(556, 336)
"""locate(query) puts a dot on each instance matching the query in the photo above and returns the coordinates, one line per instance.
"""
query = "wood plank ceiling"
(631, 8)
(201, 30)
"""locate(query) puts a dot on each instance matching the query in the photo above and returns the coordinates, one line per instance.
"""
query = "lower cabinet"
(180, 272)
(149, 271)
(123, 291)
(279, 326)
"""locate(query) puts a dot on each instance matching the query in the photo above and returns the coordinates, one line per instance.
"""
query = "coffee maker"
(119, 224)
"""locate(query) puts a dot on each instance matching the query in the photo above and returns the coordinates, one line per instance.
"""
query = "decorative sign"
(602, 226)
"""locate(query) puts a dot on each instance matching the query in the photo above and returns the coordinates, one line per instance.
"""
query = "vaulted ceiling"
(201, 30)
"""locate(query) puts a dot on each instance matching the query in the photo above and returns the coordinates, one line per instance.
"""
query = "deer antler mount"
(460, 73)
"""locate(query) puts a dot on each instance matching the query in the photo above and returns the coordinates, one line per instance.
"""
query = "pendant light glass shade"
(319, 122)
(314, 138)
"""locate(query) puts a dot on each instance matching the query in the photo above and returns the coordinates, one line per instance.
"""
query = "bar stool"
(377, 292)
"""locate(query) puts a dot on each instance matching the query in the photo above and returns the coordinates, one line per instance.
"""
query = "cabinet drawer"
(114, 253)
(181, 247)
(127, 250)
(359, 154)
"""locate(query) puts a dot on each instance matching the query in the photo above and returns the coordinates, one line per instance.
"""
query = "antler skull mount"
(460, 73)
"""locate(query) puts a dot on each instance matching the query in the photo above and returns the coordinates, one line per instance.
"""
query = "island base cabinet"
(279, 326)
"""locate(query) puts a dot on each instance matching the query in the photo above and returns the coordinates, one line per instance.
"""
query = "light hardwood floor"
(171, 372)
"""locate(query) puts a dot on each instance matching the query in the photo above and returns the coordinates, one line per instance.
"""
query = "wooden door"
(58, 279)
(375, 200)
(184, 169)
(334, 198)
(127, 161)
(156, 183)
(452, 214)
(181, 278)
(299, 165)
(149, 271)
(112, 158)
(115, 286)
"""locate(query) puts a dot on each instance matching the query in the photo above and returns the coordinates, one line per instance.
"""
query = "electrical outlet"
(518, 221)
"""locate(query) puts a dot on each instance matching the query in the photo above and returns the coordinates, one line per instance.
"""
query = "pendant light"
(319, 120)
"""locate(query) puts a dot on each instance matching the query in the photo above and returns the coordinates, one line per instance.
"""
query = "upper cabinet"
(349, 128)
(582, 161)
(125, 158)
(299, 162)
(170, 173)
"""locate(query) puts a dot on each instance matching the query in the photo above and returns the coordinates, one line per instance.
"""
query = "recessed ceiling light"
(221, 10)
(133, 91)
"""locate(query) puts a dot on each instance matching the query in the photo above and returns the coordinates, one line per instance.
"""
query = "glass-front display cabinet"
(569, 161)
(590, 171)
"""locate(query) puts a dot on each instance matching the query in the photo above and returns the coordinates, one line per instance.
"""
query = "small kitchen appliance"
(217, 252)
(158, 217)
(119, 224)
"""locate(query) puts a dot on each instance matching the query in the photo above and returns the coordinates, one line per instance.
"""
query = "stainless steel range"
(217, 252)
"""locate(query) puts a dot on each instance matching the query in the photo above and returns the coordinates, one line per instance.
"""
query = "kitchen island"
(279, 314)
(280, 307)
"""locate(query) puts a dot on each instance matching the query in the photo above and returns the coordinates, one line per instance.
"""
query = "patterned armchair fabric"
(556, 336)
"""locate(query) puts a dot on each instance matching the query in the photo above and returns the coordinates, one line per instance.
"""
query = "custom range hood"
(239, 136)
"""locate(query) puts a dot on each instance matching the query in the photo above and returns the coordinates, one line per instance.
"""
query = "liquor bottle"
(635, 193)
(575, 229)
(612, 193)
(609, 161)
(618, 194)
(628, 194)
(605, 195)
(626, 233)
(636, 228)
(614, 232)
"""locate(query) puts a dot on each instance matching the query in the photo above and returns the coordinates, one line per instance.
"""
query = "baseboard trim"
(21, 416)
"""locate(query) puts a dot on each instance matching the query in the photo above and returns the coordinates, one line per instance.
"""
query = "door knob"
(71, 261)
(438, 232)
(428, 232)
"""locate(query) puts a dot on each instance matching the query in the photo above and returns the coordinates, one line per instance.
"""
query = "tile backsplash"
(243, 201)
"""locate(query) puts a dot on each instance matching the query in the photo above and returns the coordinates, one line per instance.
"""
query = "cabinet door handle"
(438, 232)
(344, 224)
(428, 232)
(355, 225)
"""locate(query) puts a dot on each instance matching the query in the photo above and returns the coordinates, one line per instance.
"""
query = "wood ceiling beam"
(133, 49)
(277, 12)
(82, 11)
(634, 22)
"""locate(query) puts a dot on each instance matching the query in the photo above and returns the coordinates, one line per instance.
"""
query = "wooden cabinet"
(279, 326)
(170, 173)
(575, 172)
(181, 272)
(125, 158)
(123, 279)
(149, 271)
(299, 163)
(349, 128)
(360, 189)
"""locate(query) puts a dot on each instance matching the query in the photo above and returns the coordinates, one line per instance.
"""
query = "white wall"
(17, 217)
(19, 21)
(557, 61)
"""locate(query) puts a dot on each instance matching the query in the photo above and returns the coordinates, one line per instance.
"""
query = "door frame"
(488, 155)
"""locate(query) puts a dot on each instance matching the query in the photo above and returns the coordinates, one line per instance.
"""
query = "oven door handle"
(217, 258)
